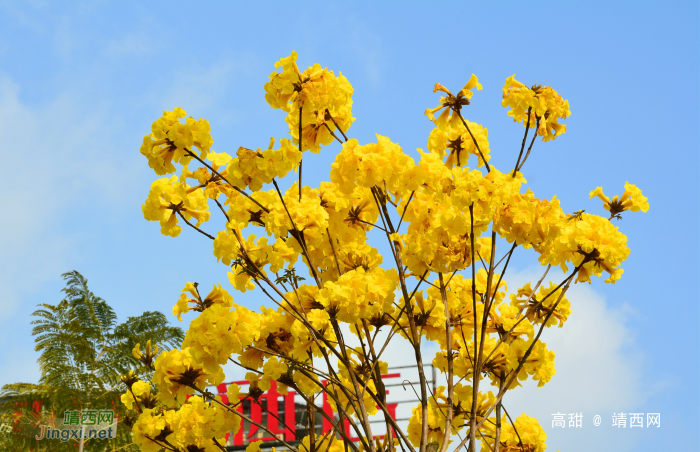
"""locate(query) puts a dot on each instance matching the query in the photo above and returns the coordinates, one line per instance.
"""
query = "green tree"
(84, 353)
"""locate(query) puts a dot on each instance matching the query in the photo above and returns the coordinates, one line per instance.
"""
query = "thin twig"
(504, 256)
(222, 209)
(298, 237)
(371, 224)
(522, 146)
(475, 382)
(195, 227)
(520, 441)
(340, 273)
(450, 368)
(192, 154)
(301, 153)
(398, 228)
(531, 143)
(488, 168)
(331, 132)
(336, 125)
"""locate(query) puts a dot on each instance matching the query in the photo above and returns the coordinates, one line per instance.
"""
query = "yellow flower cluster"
(454, 139)
(218, 332)
(437, 413)
(632, 199)
(172, 141)
(169, 198)
(591, 243)
(371, 164)
(177, 371)
(450, 102)
(536, 308)
(529, 221)
(525, 435)
(254, 168)
(545, 106)
(359, 294)
(325, 101)
(194, 426)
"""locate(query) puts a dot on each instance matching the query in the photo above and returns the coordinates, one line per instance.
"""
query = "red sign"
(284, 408)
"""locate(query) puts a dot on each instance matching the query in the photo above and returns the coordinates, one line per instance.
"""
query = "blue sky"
(81, 82)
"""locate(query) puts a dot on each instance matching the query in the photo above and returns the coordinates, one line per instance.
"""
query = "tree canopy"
(84, 351)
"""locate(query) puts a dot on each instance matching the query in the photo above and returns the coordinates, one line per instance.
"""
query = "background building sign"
(287, 416)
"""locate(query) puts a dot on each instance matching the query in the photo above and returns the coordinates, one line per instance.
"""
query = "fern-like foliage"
(84, 352)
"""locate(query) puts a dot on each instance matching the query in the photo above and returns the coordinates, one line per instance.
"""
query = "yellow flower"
(325, 100)
(455, 138)
(632, 199)
(172, 141)
(527, 435)
(138, 390)
(220, 331)
(218, 295)
(146, 358)
(253, 447)
(545, 106)
(452, 102)
(233, 392)
(538, 306)
(169, 198)
(177, 371)
(149, 425)
(591, 242)
(254, 168)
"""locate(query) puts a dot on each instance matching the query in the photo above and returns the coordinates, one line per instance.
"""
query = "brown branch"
(331, 132)
(531, 143)
(226, 180)
(450, 369)
(371, 224)
(522, 146)
(475, 383)
(488, 168)
(195, 227)
(222, 209)
(398, 228)
(161, 445)
(520, 441)
(301, 158)
(497, 439)
(336, 125)
(340, 273)
(353, 379)
(416, 338)
(299, 237)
